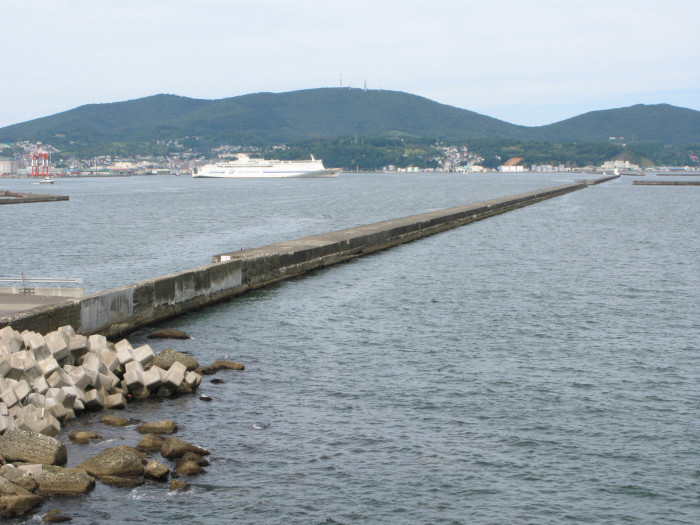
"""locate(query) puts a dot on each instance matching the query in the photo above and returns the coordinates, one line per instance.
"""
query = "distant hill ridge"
(271, 118)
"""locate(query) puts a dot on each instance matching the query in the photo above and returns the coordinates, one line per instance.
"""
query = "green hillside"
(263, 118)
(640, 123)
(327, 113)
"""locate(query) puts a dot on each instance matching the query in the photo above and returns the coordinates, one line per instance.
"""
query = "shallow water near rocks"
(540, 366)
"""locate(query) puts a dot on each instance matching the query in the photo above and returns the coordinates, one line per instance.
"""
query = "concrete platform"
(7, 197)
(12, 303)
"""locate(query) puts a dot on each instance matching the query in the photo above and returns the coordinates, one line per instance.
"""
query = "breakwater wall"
(120, 311)
(7, 197)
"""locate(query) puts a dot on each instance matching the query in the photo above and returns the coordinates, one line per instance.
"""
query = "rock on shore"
(48, 379)
(39, 469)
(32, 447)
(116, 462)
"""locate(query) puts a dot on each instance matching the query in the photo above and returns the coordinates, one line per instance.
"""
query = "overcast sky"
(530, 62)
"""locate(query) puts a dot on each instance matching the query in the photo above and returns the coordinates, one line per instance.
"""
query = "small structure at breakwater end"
(8, 197)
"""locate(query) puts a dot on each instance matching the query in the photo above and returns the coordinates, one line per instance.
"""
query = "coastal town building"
(8, 167)
(620, 165)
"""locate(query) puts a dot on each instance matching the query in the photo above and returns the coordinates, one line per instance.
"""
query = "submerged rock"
(156, 470)
(150, 443)
(176, 448)
(178, 485)
(13, 506)
(82, 437)
(124, 482)
(218, 365)
(158, 427)
(55, 516)
(114, 421)
(168, 333)
(188, 468)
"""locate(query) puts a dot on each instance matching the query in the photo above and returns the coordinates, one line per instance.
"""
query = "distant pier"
(666, 183)
(120, 311)
(8, 197)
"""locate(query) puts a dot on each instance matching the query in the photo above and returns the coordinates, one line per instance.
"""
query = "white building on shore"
(8, 167)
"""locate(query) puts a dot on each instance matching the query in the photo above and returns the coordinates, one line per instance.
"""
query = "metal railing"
(28, 286)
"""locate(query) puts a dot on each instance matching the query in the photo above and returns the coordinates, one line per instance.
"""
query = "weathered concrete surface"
(600, 180)
(122, 310)
(16, 302)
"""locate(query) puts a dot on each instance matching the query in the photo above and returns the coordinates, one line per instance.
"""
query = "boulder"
(190, 464)
(220, 364)
(175, 448)
(169, 356)
(158, 427)
(141, 455)
(114, 461)
(19, 477)
(32, 447)
(55, 516)
(191, 456)
(8, 488)
(67, 482)
(81, 437)
(150, 443)
(178, 485)
(156, 470)
(187, 468)
(13, 506)
(168, 333)
(124, 482)
(114, 421)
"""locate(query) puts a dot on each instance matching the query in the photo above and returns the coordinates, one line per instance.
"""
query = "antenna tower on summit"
(341, 82)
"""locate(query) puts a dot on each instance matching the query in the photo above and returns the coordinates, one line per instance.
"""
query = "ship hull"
(247, 168)
(255, 174)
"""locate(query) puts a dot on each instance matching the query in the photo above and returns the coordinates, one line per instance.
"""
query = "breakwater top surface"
(123, 310)
(539, 366)
(9, 197)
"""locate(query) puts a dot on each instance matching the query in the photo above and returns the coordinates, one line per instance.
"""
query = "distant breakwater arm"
(120, 311)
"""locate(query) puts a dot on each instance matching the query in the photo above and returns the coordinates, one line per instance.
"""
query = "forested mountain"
(273, 118)
(640, 123)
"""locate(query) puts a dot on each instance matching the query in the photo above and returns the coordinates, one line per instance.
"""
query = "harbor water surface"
(540, 366)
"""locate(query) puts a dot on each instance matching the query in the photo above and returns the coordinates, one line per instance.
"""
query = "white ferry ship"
(245, 167)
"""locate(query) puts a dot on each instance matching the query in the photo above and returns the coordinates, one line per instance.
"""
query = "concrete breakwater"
(666, 183)
(7, 197)
(122, 310)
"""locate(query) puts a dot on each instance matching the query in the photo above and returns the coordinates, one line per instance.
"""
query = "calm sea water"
(540, 366)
